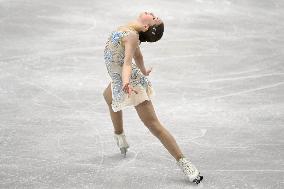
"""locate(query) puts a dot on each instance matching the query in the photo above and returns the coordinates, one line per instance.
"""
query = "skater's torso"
(114, 51)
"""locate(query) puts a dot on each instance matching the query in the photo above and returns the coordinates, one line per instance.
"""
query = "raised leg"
(148, 116)
(116, 117)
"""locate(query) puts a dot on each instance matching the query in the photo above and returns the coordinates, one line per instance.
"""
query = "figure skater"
(129, 85)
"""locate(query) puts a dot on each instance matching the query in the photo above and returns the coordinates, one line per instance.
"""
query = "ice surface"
(218, 73)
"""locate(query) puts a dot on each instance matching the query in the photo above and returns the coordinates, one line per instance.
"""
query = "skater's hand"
(128, 89)
(148, 71)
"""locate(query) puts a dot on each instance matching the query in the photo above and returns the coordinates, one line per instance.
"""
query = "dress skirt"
(133, 99)
(138, 81)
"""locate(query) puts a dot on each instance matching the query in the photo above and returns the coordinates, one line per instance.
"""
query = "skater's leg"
(116, 117)
(148, 116)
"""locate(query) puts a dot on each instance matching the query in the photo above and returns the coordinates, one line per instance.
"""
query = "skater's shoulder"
(130, 36)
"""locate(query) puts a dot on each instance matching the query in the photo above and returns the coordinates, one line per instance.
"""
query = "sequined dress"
(114, 60)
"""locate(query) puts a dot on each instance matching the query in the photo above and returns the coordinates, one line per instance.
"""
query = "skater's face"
(149, 19)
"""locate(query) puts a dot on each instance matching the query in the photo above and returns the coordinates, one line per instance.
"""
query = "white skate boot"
(121, 142)
(189, 170)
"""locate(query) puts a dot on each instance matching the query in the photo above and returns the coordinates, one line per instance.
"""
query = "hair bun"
(153, 34)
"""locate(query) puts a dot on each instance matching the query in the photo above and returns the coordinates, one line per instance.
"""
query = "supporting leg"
(116, 117)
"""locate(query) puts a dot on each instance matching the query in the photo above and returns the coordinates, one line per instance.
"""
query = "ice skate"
(121, 142)
(190, 170)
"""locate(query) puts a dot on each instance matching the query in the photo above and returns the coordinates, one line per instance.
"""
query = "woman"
(129, 85)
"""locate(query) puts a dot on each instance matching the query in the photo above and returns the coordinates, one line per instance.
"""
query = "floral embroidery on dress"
(134, 74)
(120, 58)
(115, 37)
(108, 56)
(108, 59)
(117, 83)
(144, 81)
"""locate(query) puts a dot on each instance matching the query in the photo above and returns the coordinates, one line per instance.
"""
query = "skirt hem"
(134, 99)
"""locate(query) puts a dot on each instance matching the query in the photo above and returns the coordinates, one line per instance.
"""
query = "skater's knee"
(105, 94)
(150, 123)
(107, 97)
(155, 127)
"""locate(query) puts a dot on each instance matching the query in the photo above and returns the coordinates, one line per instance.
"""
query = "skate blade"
(198, 179)
(123, 151)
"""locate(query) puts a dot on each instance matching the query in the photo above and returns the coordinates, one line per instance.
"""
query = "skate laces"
(186, 166)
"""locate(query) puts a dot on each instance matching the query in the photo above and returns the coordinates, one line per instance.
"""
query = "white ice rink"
(218, 73)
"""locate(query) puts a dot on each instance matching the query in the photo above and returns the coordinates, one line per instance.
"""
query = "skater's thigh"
(107, 94)
(146, 113)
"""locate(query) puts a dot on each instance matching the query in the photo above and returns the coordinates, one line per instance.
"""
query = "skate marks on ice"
(61, 104)
(105, 161)
(131, 156)
(245, 91)
(243, 77)
(245, 170)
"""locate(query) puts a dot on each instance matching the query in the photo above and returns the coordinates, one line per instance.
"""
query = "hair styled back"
(153, 34)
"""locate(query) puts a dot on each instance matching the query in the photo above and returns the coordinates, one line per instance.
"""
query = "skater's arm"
(130, 44)
(138, 57)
